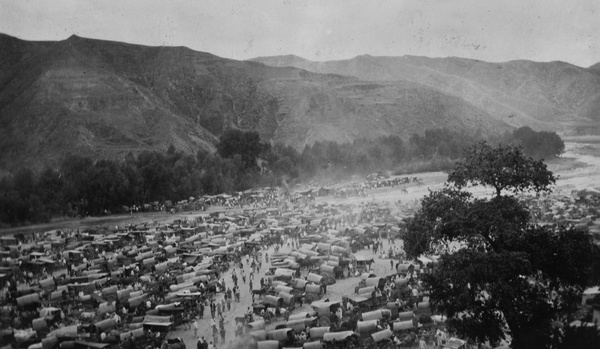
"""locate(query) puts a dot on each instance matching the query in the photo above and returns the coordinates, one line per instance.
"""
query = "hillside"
(107, 99)
(552, 96)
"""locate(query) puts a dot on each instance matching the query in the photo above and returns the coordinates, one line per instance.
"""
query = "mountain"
(107, 99)
(554, 96)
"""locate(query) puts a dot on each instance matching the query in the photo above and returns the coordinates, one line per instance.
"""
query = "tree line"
(82, 186)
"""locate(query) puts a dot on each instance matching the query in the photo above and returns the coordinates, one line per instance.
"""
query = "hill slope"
(552, 96)
(106, 99)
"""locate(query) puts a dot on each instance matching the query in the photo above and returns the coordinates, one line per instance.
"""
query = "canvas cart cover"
(375, 314)
(319, 332)
(259, 335)
(105, 325)
(299, 324)
(338, 336)
(403, 325)
(282, 335)
(268, 344)
(366, 327)
(154, 320)
(312, 277)
(381, 335)
(283, 272)
(299, 283)
(68, 331)
(256, 325)
(89, 345)
(287, 298)
(376, 281)
(314, 289)
(302, 315)
(366, 291)
(281, 288)
(33, 298)
(313, 345)
(137, 333)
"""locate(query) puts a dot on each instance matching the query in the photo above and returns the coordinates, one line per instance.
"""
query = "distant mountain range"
(106, 99)
(553, 96)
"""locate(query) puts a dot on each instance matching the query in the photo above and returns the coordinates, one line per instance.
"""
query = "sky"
(489, 30)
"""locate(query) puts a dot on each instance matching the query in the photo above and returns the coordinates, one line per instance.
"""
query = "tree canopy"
(503, 168)
(498, 272)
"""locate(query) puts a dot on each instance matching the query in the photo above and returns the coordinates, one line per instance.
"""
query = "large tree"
(245, 144)
(499, 274)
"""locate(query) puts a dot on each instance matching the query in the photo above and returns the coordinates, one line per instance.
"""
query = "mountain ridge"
(107, 99)
(519, 92)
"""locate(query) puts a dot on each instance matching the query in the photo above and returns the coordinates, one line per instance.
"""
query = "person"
(201, 305)
(215, 335)
(210, 346)
(223, 335)
(422, 343)
(195, 328)
(200, 343)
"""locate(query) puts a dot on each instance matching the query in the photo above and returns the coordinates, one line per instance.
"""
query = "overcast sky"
(490, 30)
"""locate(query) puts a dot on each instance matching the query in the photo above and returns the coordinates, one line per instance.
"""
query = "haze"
(540, 30)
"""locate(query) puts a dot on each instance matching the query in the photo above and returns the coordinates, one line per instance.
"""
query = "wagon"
(319, 332)
(288, 299)
(106, 307)
(455, 343)
(299, 284)
(312, 288)
(268, 344)
(366, 291)
(284, 335)
(303, 315)
(424, 308)
(328, 270)
(340, 336)
(29, 299)
(378, 282)
(381, 335)
(393, 307)
(105, 325)
(314, 278)
(376, 314)
(260, 335)
(365, 328)
(47, 284)
(401, 282)
(274, 301)
(406, 315)
(39, 325)
(300, 324)
(137, 333)
(313, 345)
(403, 325)
(110, 293)
(256, 325)
(281, 288)
(324, 307)
(157, 323)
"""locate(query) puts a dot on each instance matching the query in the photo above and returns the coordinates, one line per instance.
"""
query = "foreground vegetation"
(84, 186)
(499, 274)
